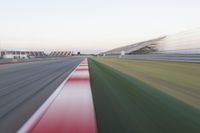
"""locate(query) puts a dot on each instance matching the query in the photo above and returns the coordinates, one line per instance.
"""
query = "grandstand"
(137, 48)
(183, 42)
(187, 42)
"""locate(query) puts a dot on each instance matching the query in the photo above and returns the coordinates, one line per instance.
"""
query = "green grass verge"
(126, 105)
(178, 79)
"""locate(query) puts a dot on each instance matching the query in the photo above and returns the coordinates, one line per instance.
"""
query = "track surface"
(14, 61)
(24, 87)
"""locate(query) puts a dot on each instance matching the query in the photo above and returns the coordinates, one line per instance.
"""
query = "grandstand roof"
(134, 47)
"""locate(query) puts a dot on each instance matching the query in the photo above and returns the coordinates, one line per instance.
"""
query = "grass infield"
(124, 104)
(178, 79)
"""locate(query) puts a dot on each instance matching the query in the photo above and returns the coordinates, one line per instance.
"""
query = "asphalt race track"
(24, 87)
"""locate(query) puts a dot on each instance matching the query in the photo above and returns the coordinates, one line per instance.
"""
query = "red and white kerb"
(70, 108)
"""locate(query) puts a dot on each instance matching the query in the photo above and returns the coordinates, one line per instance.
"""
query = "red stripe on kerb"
(72, 111)
(77, 79)
(81, 69)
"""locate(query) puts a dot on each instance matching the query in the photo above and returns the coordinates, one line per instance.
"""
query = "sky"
(91, 25)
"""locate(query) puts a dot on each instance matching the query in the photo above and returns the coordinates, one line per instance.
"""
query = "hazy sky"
(91, 25)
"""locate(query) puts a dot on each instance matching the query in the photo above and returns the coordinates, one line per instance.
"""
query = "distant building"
(21, 54)
(60, 53)
(11, 56)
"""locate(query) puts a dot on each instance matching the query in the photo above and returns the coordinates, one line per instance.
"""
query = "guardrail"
(166, 57)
